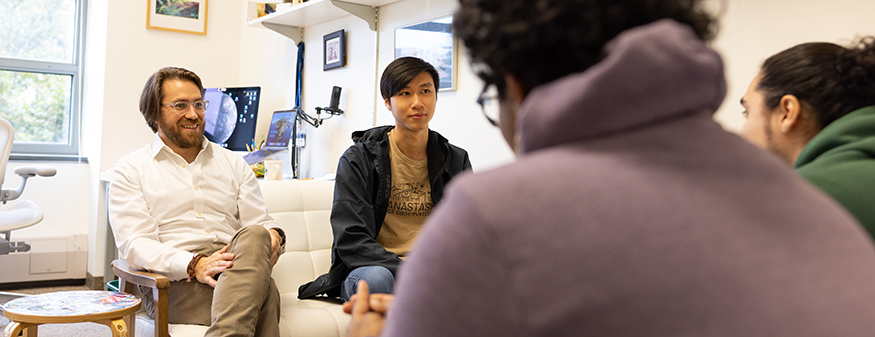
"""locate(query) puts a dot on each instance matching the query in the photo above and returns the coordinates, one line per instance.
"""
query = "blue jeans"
(380, 280)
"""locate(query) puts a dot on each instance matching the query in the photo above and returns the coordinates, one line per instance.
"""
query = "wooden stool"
(116, 310)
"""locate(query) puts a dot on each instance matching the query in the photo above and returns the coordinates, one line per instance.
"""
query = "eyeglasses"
(488, 101)
(183, 106)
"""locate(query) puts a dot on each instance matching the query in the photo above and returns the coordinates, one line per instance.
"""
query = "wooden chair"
(302, 208)
(128, 277)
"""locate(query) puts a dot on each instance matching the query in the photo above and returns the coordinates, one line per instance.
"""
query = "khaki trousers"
(245, 302)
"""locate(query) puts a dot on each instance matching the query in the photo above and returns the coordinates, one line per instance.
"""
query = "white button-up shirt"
(161, 207)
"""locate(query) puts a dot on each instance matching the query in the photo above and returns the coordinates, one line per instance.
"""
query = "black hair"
(830, 79)
(153, 92)
(539, 41)
(400, 72)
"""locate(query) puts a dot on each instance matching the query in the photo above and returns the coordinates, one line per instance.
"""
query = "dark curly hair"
(830, 79)
(153, 92)
(539, 41)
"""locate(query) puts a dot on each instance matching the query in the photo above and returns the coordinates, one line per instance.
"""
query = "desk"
(116, 310)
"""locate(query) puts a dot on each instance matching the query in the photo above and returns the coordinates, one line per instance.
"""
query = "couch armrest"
(128, 277)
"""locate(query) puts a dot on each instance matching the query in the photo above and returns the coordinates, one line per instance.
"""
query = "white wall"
(121, 53)
(133, 53)
(92, 124)
(753, 30)
(62, 198)
(326, 143)
(268, 60)
(750, 31)
(457, 116)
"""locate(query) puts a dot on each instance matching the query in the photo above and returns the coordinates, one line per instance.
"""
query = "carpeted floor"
(55, 330)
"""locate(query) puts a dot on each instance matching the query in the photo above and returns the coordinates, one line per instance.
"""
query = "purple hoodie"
(632, 213)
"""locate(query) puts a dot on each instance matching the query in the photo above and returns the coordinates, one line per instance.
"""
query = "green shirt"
(841, 161)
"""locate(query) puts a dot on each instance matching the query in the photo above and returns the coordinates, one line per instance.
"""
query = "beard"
(176, 137)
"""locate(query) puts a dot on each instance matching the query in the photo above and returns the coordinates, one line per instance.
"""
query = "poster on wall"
(334, 50)
(433, 42)
(184, 16)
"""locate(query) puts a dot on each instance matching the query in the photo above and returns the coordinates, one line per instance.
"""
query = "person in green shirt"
(814, 106)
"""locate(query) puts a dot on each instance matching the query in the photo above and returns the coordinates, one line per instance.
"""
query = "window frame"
(73, 69)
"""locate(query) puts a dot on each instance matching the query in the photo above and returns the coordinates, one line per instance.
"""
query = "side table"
(113, 309)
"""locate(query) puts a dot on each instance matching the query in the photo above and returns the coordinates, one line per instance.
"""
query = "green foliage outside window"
(37, 68)
(37, 105)
(38, 29)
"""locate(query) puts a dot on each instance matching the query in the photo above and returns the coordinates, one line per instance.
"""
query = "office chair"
(24, 213)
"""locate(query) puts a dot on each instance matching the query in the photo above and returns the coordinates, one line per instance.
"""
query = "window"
(41, 43)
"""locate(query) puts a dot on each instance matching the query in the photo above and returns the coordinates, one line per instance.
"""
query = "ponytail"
(856, 66)
(832, 80)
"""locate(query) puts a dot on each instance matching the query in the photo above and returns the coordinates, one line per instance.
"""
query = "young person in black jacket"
(387, 183)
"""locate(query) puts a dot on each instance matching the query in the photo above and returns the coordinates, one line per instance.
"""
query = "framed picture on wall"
(334, 50)
(184, 16)
(433, 42)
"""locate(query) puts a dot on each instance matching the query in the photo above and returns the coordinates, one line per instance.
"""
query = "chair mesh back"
(7, 135)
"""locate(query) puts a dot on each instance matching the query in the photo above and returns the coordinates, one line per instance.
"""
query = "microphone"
(334, 107)
(332, 110)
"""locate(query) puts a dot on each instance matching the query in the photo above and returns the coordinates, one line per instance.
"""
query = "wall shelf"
(290, 22)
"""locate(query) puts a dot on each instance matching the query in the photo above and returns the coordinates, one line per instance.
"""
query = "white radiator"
(49, 258)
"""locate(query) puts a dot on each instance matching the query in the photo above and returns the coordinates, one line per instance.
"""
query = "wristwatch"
(283, 236)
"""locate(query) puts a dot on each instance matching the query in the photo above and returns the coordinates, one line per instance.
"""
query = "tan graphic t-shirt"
(409, 204)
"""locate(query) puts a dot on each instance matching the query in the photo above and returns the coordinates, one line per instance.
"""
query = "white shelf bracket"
(364, 12)
(292, 32)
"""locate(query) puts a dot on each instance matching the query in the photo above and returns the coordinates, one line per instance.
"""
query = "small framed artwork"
(184, 16)
(334, 50)
(433, 42)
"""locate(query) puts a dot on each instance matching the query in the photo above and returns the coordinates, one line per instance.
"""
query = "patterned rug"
(6, 297)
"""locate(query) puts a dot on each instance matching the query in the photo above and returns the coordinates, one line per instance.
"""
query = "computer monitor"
(231, 116)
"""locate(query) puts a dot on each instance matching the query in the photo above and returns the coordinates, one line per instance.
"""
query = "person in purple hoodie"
(629, 211)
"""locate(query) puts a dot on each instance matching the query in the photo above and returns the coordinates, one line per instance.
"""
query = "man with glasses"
(387, 184)
(629, 211)
(190, 210)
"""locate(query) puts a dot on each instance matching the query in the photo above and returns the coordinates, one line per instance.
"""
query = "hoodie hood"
(844, 140)
(654, 72)
(371, 136)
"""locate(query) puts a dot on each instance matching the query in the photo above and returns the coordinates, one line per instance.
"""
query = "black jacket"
(361, 196)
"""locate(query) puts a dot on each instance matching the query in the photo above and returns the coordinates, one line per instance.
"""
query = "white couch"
(302, 209)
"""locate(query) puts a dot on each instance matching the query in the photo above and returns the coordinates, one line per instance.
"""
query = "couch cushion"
(302, 209)
(146, 328)
(315, 317)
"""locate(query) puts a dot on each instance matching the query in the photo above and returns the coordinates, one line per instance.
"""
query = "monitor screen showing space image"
(231, 116)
